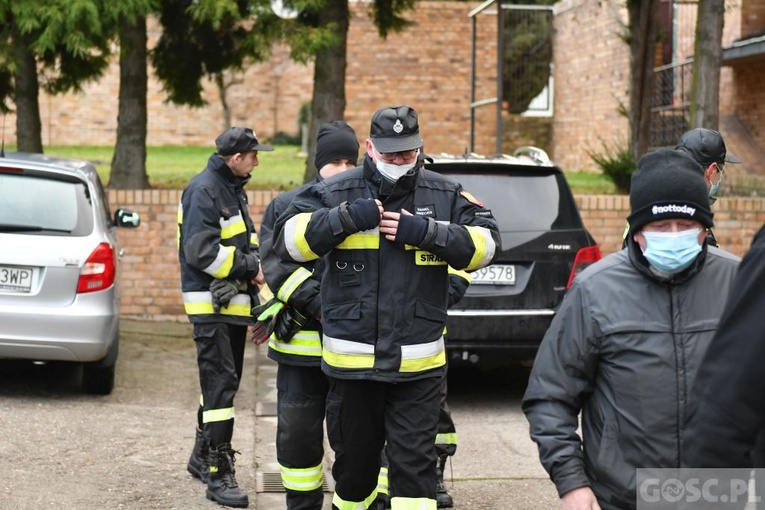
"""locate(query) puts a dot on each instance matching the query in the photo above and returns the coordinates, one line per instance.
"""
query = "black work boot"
(443, 499)
(198, 466)
(221, 485)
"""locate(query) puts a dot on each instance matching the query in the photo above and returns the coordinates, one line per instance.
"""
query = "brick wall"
(151, 278)
(749, 101)
(591, 80)
(592, 76)
(752, 18)
(427, 66)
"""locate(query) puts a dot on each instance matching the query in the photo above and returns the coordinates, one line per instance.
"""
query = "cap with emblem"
(238, 139)
(668, 184)
(395, 129)
(706, 146)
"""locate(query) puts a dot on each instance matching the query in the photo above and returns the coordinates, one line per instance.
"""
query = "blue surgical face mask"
(715, 187)
(671, 252)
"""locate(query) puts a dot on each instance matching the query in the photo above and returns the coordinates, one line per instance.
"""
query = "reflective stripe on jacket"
(296, 285)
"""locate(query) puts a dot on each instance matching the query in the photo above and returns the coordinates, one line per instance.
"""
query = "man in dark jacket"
(707, 148)
(387, 231)
(627, 341)
(295, 342)
(727, 409)
(220, 270)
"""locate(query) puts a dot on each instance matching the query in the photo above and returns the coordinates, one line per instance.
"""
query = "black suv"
(510, 304)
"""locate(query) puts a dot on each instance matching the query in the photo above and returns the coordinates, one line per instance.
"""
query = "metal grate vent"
(272, 482)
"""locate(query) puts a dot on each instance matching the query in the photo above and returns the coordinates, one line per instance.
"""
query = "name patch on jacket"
(428, 211)
(425, 258)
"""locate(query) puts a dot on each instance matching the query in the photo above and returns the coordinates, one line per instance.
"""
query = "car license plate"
(496, 274)
(16, 279)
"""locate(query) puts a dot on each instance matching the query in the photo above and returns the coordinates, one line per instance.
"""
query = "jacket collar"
(222, 170)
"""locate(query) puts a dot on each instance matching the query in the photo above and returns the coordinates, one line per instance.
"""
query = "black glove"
(412, 229)
(266, 316)
(290, 321)
(222, 292)
(364, 213)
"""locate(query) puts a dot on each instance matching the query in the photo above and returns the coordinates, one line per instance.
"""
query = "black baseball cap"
(706, 146)
(238, 139)
(395, 129)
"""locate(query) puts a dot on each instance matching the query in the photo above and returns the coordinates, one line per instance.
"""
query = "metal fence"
(670, 113)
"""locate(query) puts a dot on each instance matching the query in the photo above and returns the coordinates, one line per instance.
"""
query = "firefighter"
(290, 323)
(220, 270)
(386, 232)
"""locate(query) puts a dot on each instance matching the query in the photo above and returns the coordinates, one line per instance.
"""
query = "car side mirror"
(126, 218)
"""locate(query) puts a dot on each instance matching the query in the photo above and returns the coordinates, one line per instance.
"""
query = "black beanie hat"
(336, 140)
(668, 184)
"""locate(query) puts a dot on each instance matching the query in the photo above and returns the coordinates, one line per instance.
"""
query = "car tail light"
(99, 270)
(584, 257)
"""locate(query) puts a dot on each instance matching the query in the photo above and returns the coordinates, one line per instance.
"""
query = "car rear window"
(38, 205)
(525, 202)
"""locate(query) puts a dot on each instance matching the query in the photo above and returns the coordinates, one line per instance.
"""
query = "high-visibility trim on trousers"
(341, 504)
(412, 504)
(305, 479)
(214, 415)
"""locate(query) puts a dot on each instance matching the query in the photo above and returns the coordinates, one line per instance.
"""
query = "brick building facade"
(592, 79)
(426, 66)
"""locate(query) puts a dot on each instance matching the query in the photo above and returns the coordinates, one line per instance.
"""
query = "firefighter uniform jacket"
(384, 303)
(295, 284)
(217, 239)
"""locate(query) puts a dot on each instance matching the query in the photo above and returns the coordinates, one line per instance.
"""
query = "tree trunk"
(705, 85)
(220, 82)
(27, 90)
(328, 101)
(642, 37)
(129, 162)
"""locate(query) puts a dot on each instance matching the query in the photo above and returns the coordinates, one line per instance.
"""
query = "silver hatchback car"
(59, 266)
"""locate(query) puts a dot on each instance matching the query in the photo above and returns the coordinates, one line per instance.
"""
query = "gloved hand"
(412, 229)
(364, 213)
(290, 321)
(266, 316)
(222, 292)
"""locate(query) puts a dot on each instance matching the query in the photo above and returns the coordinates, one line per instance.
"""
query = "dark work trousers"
(301, 397)
(220, 354)
(362, 414)
(446, 440)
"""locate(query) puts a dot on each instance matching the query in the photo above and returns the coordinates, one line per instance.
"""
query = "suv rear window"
(523, 202)
(33, 204)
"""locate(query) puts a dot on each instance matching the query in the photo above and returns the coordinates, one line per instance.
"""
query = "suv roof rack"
(527, 154)
(534, 153)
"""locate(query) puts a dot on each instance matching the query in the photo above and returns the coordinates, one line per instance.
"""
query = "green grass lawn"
(171, 167)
